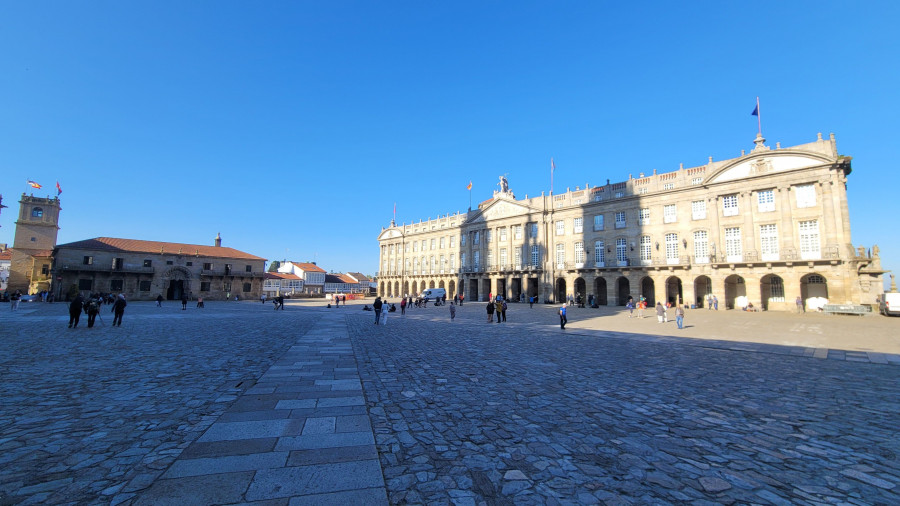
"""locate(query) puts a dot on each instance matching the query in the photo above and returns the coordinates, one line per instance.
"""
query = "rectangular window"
(619, 195)
(776, 290)
(518, 257)
(432, 244)
(534, 230)
(226, 286)
(443, 264)
(517, 231)
(433, 263)
(768, 242)
(148, 263)
(599, 254)
(488, 235)
(189, 264)
(85, 285)
(227, 268)
(578, 225)
(560, 227)
(406, 246)
(462, 260)
(248, 268)
(620, 219)
(669, 186)
(503, 234)
(671, 248)
(621, 251)
(476, 238)
(145, 285)
(452, 262)
(207, 266)
(697, 180)
(701, 247)
(490, 259)
(598, 222)
(88, 260)
(646, 249)
(415, 245)
(45, 269)
(477, 259)
(452, 241)
(503, 257)
(424, 244)
(442, 243)
(729, 205)
(579, 254)
(644, 216)
(643, 191)
(806, 195)
(247, 287)
(204, 286)
(170, 262)
(733, 250)
(535, 255)
(698, 210)
(560, 256)
(809, 240)
(670, 213)
(115, 285)
(118, 263)
(766, 200)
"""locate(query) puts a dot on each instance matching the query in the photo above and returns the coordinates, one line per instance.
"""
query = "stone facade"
(143, 270)
(765, 228)
(36, 230)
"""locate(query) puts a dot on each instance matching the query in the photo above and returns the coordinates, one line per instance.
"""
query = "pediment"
(390, 233)
(766, 163)
(500, 208)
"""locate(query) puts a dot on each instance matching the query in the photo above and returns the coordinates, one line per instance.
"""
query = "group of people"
(91, 307)
(497, 306)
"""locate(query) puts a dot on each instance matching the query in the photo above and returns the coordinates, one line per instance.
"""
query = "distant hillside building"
(143, 270)
(312, 275)
(35, 237)
(766, 227)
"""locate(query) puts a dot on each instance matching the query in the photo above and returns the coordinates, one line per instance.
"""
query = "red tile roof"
(170, 248)
(5, 255)
(362, 278)
(281, 275)
(308, 267)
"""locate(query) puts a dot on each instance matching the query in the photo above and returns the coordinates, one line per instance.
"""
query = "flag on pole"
(33, 184)
(470, 186)
(758, 117)
(755, 111)
(58, 189)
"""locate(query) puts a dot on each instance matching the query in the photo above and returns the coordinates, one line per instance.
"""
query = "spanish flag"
(33, 184)
(470, 186)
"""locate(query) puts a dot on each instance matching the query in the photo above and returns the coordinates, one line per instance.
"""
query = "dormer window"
(37, 212)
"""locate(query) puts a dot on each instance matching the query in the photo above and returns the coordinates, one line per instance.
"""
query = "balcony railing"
(125, 269)
(232, 272)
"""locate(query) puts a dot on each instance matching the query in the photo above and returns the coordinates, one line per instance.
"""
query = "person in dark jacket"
(119, 310)
(159, 300)
(92, 308)
(377, 307)
(183, 301)
(490, 311)
(75, 308)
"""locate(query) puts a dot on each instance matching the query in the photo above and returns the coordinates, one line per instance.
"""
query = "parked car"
(30, 298)
(890, 304)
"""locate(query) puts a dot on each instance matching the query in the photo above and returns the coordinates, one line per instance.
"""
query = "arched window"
(37, 212)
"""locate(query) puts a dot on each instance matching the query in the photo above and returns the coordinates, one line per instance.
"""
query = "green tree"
(273, 267)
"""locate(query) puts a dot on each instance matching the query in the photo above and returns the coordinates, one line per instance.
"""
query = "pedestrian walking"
(490, 311)
(709, 302)
(642, 303)
(562, 317)
(715, 303)
(159, 300)
(75, 308)
(462, 296)
(630, 306)
(262, 298)
(377, 307)
(402, 307)
(200, 301)
(92, 309)
(279, 302)
(14, 300)
(679, 316)
(119, 309)
(660, 312)
(799, 302)
(531, 302)
(452, 312)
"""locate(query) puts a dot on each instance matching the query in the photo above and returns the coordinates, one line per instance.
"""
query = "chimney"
(218, 240)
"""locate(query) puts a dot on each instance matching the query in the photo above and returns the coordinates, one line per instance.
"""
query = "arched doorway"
(441, 284)
(674, 295)
(702, 290)
(405, 288)
(648, 290)
(560, 290)
(813, 285)
(396, 288)
(623, 291)
(771, 290)
(734, 288)
(600, 292)
(431, 284)
(381, 291)
(451, 290)
(580, 290)
(179, 283)
(415, 288)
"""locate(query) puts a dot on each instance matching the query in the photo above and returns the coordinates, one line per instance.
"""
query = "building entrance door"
(176, 289)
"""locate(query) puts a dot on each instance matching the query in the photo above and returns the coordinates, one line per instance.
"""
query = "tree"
(273, 267)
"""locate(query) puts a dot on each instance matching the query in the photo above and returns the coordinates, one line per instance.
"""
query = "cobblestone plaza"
(236, 403)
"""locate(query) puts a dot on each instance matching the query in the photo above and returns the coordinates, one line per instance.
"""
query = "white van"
(434, 293)
(890, 304)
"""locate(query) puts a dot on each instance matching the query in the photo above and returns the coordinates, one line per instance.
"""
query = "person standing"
(642, 303)
(183, 301)
(200, 301)
(262, 298)
(452, 312)
(660, 312)
(630, 307)
(490, 311)
(679, 316)
(462, 297)
(75, 308)
(531, 302)
(402, 307)
(92, 310)
(799, 302)
(159, 300)
(715, 303)
(498, 308)
(119, 309)
(562, 316)
(709, 302)
(377, 307)
(503, 306)
(14, 300)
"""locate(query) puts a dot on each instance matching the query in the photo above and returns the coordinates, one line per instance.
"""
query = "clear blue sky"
(292, 128)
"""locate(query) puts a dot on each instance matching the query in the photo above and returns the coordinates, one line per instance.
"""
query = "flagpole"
(758, 116)
(552, 166)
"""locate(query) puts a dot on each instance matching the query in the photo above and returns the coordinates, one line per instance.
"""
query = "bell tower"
(38, 223)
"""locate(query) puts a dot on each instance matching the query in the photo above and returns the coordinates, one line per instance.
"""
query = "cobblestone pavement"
(95, 415)
(523, 413)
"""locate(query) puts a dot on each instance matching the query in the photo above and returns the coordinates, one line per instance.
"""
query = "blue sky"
(292, 128)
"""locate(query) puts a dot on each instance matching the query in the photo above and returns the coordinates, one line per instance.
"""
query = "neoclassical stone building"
(766, 227)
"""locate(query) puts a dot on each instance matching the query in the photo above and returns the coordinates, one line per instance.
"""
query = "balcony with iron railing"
(124, 269)
(230, 273)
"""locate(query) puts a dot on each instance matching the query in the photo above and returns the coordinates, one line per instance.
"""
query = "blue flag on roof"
(755, 111)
